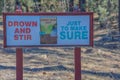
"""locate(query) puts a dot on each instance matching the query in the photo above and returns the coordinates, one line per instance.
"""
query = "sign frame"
(49, 14)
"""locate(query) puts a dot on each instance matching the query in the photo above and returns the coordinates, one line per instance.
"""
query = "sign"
(48, 29)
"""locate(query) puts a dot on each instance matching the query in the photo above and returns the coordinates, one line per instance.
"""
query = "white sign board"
(50, 29)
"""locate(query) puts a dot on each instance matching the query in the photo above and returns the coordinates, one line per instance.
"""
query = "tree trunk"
(71, 3)
(82, 4)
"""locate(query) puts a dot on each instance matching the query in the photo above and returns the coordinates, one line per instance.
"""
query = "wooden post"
(77, 54)
(77, 51)
(19, 52)
(19, 64)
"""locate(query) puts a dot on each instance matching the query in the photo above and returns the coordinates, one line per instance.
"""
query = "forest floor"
(101, 62)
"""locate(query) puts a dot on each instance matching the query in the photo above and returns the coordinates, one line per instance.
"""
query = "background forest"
(105, 11)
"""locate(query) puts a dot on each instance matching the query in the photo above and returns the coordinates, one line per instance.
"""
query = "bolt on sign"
(48, 29)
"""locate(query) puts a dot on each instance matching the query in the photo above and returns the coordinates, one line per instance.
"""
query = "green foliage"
(92, 5)
(9, 5)
(102, 13)
(27, 4)
(1, 6)
(103, 8)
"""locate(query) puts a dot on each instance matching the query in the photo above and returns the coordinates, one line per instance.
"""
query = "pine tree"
(10, 5)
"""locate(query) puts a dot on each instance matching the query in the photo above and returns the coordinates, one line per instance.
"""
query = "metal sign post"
(77, 50)
(19, 64)
(77, 54)
(19, 53)
(77, 58)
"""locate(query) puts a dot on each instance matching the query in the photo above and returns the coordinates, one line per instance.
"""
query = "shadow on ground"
(107, 42)
(51, 68)
(63, 68)
(116, 76)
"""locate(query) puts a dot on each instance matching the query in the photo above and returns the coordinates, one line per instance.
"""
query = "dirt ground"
(101, 62)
